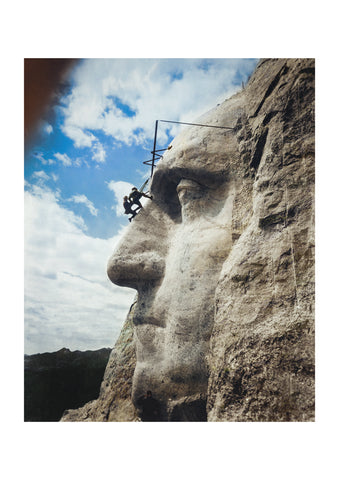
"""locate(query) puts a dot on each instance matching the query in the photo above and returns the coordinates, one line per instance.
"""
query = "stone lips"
(246, 279)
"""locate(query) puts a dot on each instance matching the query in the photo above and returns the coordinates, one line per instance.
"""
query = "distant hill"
(61, 380)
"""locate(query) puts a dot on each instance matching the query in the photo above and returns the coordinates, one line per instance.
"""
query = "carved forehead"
(206, 160)
(205, 152)
(200, 148)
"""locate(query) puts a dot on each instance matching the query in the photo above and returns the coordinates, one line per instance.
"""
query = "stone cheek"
(172, 357)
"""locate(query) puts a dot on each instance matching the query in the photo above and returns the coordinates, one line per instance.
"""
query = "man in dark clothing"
(128, 208)
(135, 196)
(150, 408)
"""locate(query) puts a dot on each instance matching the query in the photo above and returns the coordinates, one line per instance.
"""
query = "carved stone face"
(172, 255)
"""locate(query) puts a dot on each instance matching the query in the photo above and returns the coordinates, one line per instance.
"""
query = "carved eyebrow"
(200, 175)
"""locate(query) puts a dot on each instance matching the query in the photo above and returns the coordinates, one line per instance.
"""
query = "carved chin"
(181, 392)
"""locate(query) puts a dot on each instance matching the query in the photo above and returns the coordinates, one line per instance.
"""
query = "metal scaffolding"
(154, 152)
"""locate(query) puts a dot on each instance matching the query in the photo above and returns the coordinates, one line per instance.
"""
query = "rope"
(141, 189)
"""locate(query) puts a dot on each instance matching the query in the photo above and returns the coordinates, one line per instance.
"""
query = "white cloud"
(99, 153)
(41, 175)
(80, 138)
(40, 157)
(64, 159)
(150, 89)
(120, 189)
(69, 301)
(83, 199)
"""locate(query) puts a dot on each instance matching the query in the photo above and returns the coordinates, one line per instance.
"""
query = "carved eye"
(189, 190)
(192, 197)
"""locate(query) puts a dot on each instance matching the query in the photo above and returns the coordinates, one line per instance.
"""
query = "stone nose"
(140, 256)
(133, 269)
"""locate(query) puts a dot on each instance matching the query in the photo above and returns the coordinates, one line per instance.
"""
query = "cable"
(197, 124)
(156, 155)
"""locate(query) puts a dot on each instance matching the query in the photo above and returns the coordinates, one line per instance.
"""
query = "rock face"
(223, 262)
(262, 346)
(59, 380)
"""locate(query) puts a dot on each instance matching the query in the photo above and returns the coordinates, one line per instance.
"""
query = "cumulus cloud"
(120, 189)
(43, 160)
(64, 159)
(41, 175)
(78, 135)
(122, 97)
(69, 301)
(83, 199)
(99, 153)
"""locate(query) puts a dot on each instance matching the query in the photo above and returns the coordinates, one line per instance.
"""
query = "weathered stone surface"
(223, 262)
(262, 345)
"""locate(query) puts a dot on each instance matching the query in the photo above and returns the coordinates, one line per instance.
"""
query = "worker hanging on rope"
(135, 196)
(128, 208)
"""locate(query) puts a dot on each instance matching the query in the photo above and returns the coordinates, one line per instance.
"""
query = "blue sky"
(76, 174)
